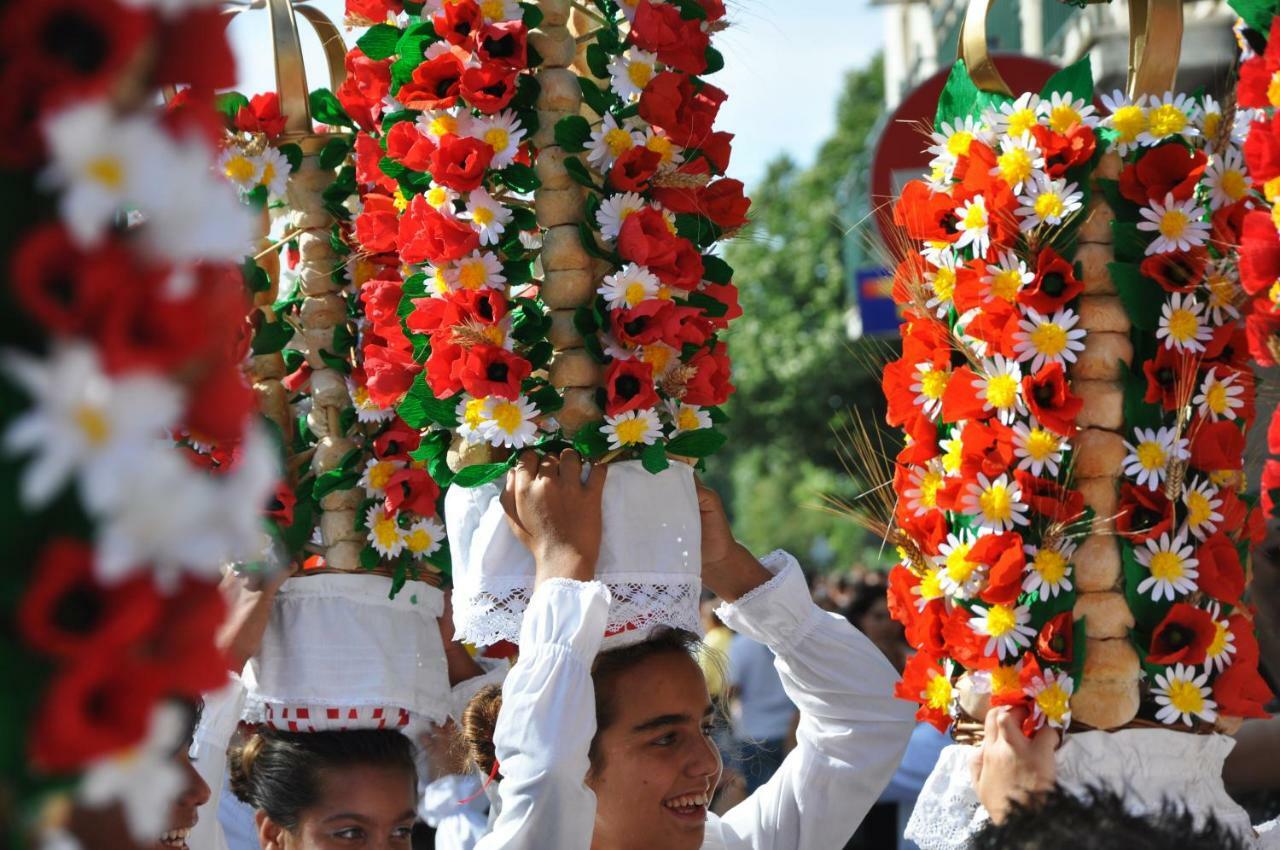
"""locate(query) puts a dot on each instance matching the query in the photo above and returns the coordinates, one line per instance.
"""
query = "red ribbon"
(493, 774)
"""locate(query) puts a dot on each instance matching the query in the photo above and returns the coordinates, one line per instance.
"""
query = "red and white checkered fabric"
(313, 718)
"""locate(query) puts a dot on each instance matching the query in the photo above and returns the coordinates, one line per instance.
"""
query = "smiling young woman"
(612, 750)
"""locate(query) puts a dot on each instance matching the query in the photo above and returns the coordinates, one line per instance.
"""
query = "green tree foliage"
(797, 374)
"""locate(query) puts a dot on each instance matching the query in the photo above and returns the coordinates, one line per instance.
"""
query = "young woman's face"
(360, 808)
(183, 813)
(655, 766)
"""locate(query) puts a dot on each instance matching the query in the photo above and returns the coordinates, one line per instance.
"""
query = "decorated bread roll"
(574, 368)
(1093, 259)
(1106, 615)
(1096, 227)
(1105, 357)
(1103, 404)
(1097, 563)
(1103, 314)
(1098, 454)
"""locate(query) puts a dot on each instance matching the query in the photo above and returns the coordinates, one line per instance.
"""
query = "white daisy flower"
(239, 168)
(1223, 646)
(687, 417)
(929, 384)
(1006, 628)
(959, 577)
(632, 428)
(1050, 695)
(423, 537)
(1019, 162)
(275, 172)
(1210, 120)
(1225, 293)
(1049, 569)
(1042, 340)
(610, 141)
(1168, 117)
(1219, 397)
(929, 588)
(471, 418)
(995, 504)
(941, 280)
(1202, 501)
(670, 153)
(1151, 454)
(1172, 564)
(502, 132)
(999, 385)
(974, 224)
(438, 123)
(631, 72)
(614, 210)
(662, 357)
(629, 286)
(488, 217)
(510, 424)
(923, 483)
(1128, 118)
(366, 409)
(1005, 278)
(384, 531)
(479, 270)
(1226, 177)
(1062, 112)
(1182, 324)
(1048, 202)
(85, 423)
(1183, 696)
(377, 473)
(1017, 117)
(952, 140)
(1037, 449)
(497, 11)
(439, 198)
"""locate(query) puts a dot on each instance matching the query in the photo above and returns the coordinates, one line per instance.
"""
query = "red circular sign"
(900, 153)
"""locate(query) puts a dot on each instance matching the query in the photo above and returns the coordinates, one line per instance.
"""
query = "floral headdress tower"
(1075, 389)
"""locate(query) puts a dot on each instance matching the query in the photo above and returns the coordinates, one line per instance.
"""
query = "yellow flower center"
(385, 530)
(1166, 120)
(492, 10)
(662, 146)
(1166, 566)
(634, 293)
(1271, 189)
(1002, 391)
(379, 474)
(360, 395)
(1233, 184)
(631, 431)
(95, 426)
(1041, 444)
(418, 540)
(507, 416)
(1005, 679)
(618, 141)
(933, 383)
(1219, 643)
(687, 419)
(640, 73)
(959, 143)
(1273, 89)
(1021, 121)
(1222, 291)
(931, 585)
(1212, 124)
(1006, 283)
(268, 173)
(944, 283)
(996, 502)
(1183, 325)
(1216, 399)
(1054, 702)
(238, 168)
(482, 216)
(975, 218)
(958, 565)
(1185, 696)
(1199, 508)
(954, 458)
(929, 484)
(1014, 165)
(1049, 339)
(1151, 455)
(473, 413)
(938, 692)
(1128, 122)
(497, 138)
(437, 196)
(1000, 620)
(1049, 205)
(439, 282)
(1063, 117)
(1051, 566)
(1273, 294)
(400, 201)
(442, 124)
(658, 356)
(472, 274)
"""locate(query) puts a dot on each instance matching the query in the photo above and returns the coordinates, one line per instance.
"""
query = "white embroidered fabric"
(1146, 766)
(650, 557)
(338, 642)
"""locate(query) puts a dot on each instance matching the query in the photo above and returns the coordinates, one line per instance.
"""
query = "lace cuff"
(778, 613)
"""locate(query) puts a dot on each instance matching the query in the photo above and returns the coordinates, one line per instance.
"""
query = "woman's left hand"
(728, 568)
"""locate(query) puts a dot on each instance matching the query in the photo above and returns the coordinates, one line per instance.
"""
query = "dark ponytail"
(280, 772)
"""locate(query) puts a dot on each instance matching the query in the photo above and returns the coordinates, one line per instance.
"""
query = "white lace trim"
(640, 602)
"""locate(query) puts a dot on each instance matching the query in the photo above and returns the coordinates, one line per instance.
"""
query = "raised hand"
(556, 514)
(728, 568)
(1011, 767)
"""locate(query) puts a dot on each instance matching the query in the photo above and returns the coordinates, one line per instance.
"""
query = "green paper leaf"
(272, 337)
(546, 398)
(579, 173)
(531, 15)
(1139, 413)
(420, 408)
(517, 272)
(1079, 650)
(700, 443)
(293, 153)
(379, 42)
(598, 61)
(334, 479)
(480, 474)
(336, 363)
(255, 277)
(1257, 14)
(715, 61)
(326, 109)
(334, 152)
(718, 416)
(698, 229)
(1141, 296)
(599, 100)
(1125, 209)
(230, 104)
(1076, 78)
(369, 558)
(710, 307)
(1128, 242)
(584, 321)
(959, 96)
(589, 442)
(520, 178)
(654, 458)
(716, 270)
(588, 237)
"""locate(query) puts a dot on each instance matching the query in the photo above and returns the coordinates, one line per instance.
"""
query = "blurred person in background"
(765, 718)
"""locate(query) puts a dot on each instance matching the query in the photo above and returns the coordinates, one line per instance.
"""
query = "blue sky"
(783, 67)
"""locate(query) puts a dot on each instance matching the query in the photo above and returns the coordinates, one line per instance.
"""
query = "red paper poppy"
(194, 51)
(52, 280)
(1259, 252)
(1171, 378)
(1262, 150)
(368, 158)
(986, 448)
(410, 147)
(280, 508)
(1051, 401)
(1216, 446)
(444, 365)
(413, 490)
(1183, 637)
(671, 103)
(1256, 73)
(722, 201)
(503, 43)
(1270, 486)
(1055, 284)
(964, 644)
(492, 370)
(66, 612)
(427, 236)
(1003, 556)
(926, 215)
(381, 300)
(679, 42)
(1064, 151)
(1228, 348)
(628, 385)
(646, 240)
(261, 115)
(711, 373)
(361, 94)
(1177, 271)
(715, 150)
(460, 162)
(458, 22)
(1050, 499)
(1054, 643)
(435, 83)
(1170, 169)
(180, 653)
(1143, 514)
(1240, 691)
(397, 441)
(1263, 331)
(378, 223)
(390, 372)
(916, 677)
(1221, 575)
(1226, 224)
(726, 294)
(489, 88)
(632, 171)
(220, 402)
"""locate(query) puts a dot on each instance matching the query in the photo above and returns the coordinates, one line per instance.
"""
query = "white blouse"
(852, 730)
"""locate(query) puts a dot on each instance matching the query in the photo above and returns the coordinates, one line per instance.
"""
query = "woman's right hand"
(556, 514)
